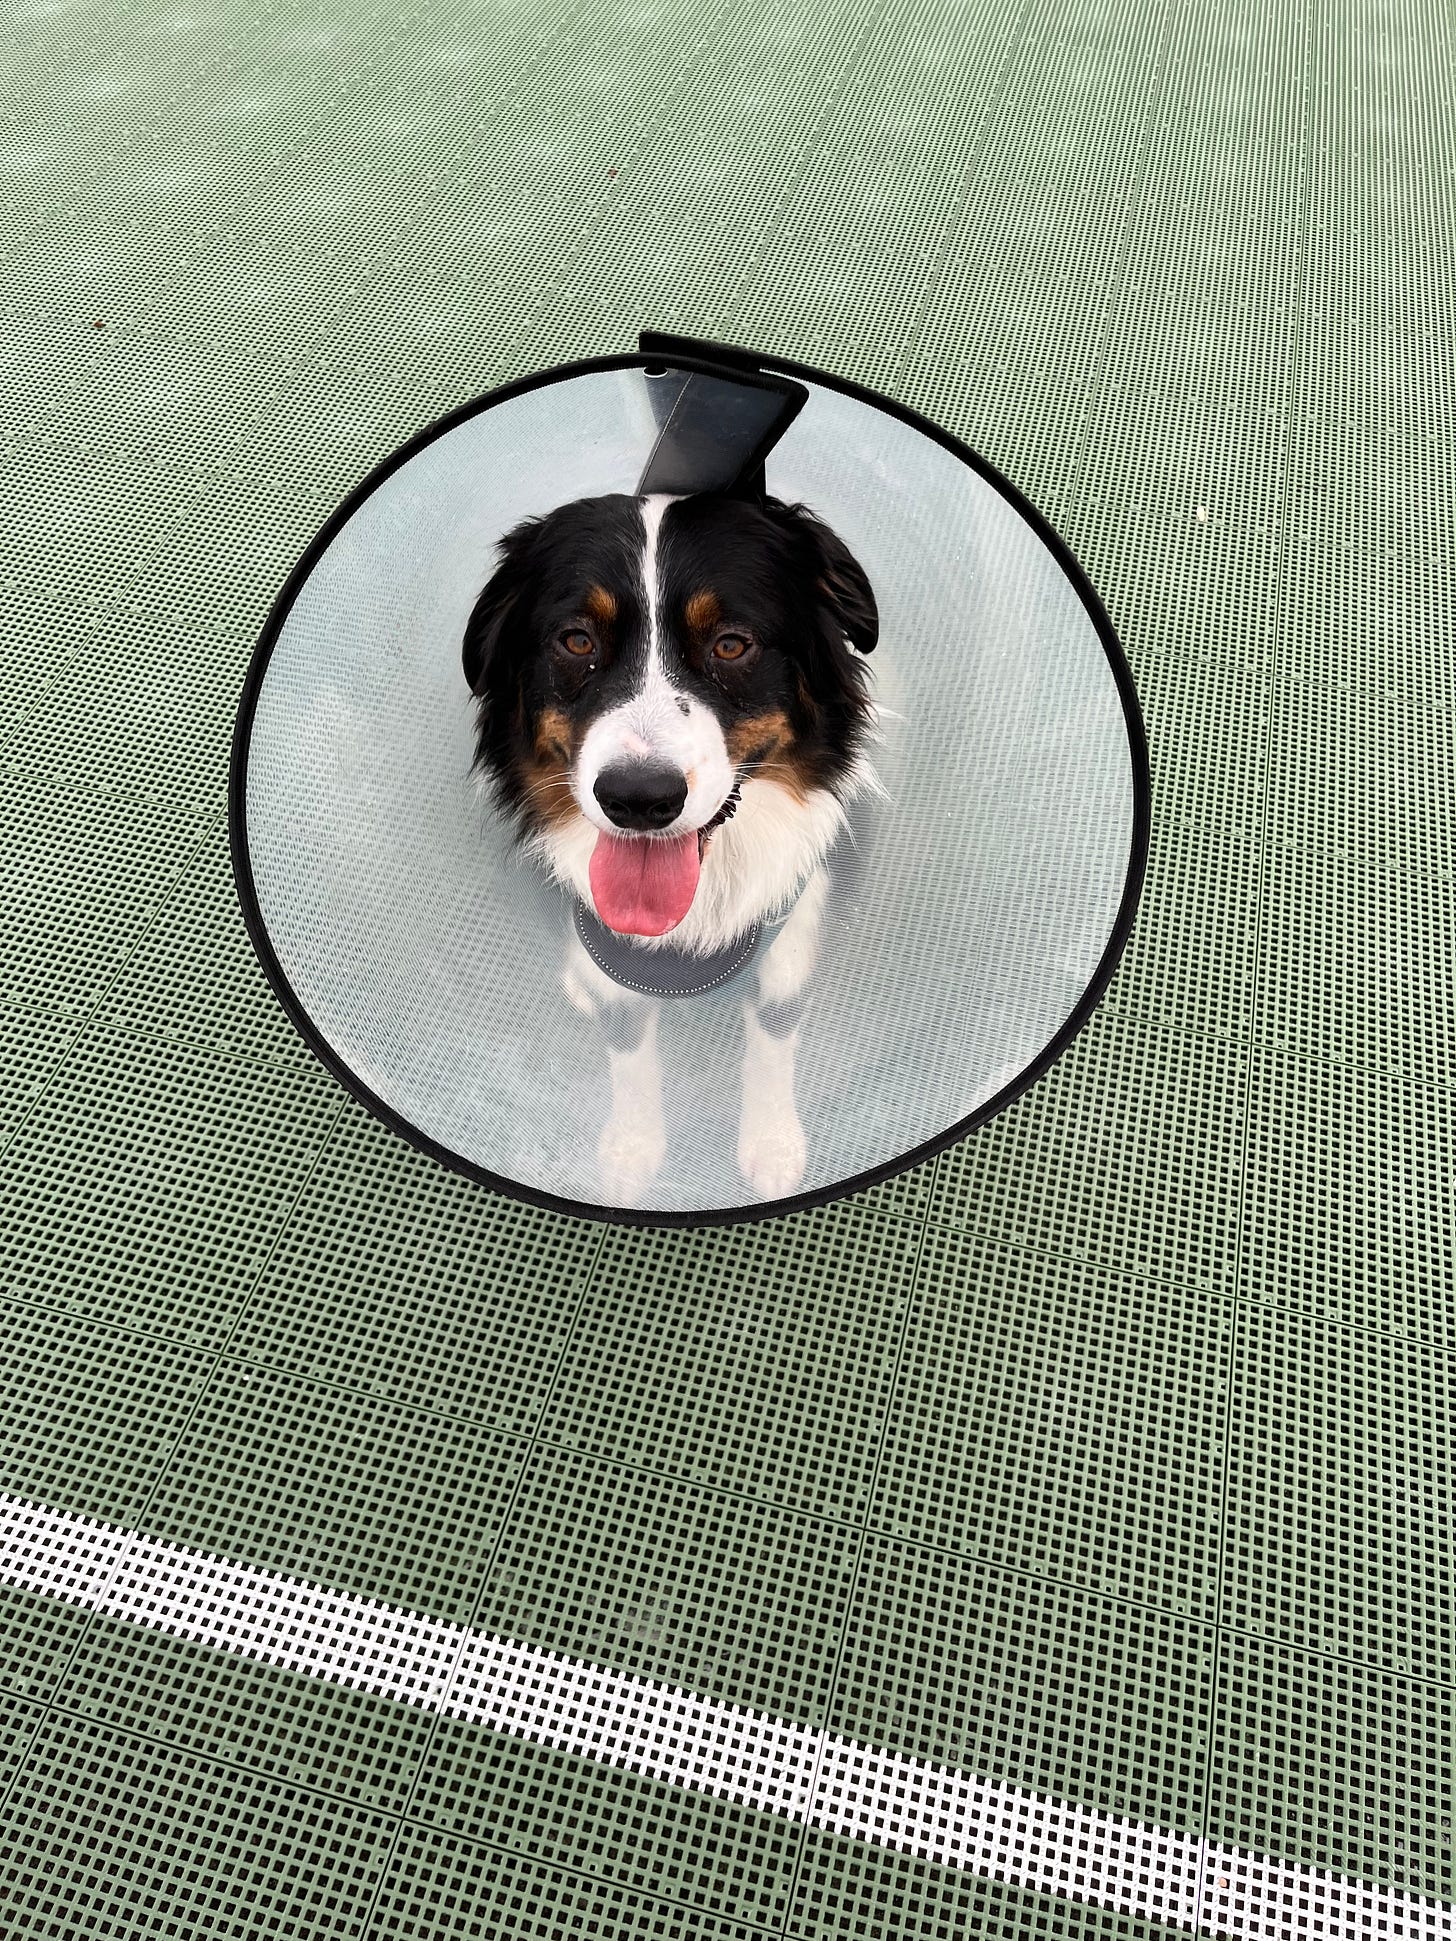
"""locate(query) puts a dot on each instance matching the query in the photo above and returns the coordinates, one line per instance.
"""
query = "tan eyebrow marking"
(703, 610)
(600, 604)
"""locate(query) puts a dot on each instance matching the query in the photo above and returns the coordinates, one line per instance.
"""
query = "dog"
(673, 714)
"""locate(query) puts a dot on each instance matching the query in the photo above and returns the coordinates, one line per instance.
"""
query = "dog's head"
(645, 665)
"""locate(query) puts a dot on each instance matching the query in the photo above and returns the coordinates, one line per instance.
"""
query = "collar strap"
(666, 971)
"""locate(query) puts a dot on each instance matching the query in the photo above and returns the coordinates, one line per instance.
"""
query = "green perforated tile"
(141, 709)
(1354, 966)
(1206, 710)
(997, 1671)
(80, 878)
(904, 183)
(1128, 1151)
(38, 637)
(18, 1727)
(45, 352)
(95, 526)
(105, 387)
(32, 1045)
(193, 975)
(194, 157)
(1348, 1211)
(42, 1630)
(407, 1282)
(232, 547)
(93, 1411)
(349, 1490)
(358, 421)
(1202, 642)
(1062, 1419)
(907, 1194)
(1201, 637)
(440, 1885)
(181, 55)
(849, 1889)
(418, 1500)
(610, 1562)
(1192, 960)
(1378, 615)
(531, 193)
(708, 236)
(760, 1359)
(616, 1566)
(1106, 265)
(91, 1415)
(1350, 1769)
(1342, 1467)
(608, 1827)
(1200, 594)
(1362, 773)
(107, 1830)
(273, 1721)
(1379, 360)
(148, 1183)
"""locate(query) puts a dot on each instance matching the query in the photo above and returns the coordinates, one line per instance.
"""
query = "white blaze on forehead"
(653, 509)
(660, 721)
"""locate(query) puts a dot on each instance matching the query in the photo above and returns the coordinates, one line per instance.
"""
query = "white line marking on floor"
(1028, 1840)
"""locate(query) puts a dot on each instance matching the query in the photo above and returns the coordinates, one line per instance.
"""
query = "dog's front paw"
(772, 1154)
(629, 1156)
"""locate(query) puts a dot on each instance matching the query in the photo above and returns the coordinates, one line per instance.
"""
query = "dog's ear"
(841, 581)
(496, 604)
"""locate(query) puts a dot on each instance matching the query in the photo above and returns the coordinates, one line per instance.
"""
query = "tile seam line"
(1235, 1358)
(466, 1632)
(925, 1547)
(892, 1383)
(1018, 1837)
(191, 844)
(769, 233)
(214, 1357)
(914, 333)
(355, 97)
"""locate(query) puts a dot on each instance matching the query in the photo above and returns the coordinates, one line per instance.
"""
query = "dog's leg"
(633, 1141)
(772, 1150)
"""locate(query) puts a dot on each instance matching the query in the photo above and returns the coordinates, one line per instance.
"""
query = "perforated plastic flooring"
(1055, 1541)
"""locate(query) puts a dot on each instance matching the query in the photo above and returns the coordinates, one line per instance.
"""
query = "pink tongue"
(643, 885)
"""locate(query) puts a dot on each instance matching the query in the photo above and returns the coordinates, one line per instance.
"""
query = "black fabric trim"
(616, 959)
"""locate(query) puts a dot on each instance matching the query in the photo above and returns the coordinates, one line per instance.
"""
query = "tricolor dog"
(673, 711)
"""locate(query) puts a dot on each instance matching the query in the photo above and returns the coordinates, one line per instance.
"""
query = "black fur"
(781, 575)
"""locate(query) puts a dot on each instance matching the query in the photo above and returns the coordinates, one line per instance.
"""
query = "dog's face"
(640, 661)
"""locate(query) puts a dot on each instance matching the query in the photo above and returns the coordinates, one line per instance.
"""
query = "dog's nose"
(641, 795)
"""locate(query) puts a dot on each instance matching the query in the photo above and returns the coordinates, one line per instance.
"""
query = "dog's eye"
(578, 643)
(730, 647)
